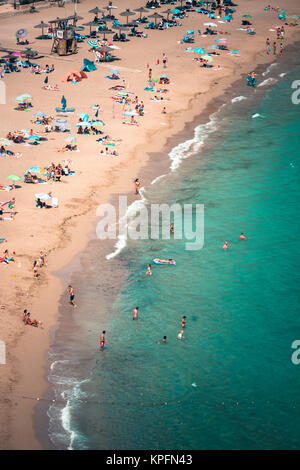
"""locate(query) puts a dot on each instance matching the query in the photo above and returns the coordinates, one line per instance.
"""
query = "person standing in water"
(135, 313)
(149, 272)
(225, 246)
(183, 321)
(172, 228)
(242, 236)
(72, 296)
(180, 335)
(164, 340)
(102, 340)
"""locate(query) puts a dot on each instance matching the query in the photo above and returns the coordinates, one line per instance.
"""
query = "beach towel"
(88, 66)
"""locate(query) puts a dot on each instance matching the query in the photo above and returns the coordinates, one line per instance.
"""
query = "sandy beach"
(63, 232)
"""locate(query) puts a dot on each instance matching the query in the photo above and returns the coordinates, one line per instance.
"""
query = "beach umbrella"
(104, 32)
(41, 26)
(98, 124)
(121, 27)
(30, 52)
(40, 114)
(176, 11)
(199, 50)
(110, 7)
(61, 123)
(168, 12)
(141, 10)
(207, 57)
(246, 16)
(21, 33)
(37, 169)
(213, 46)
(163, 75)
(213, 25)
(155, 16)
(35, 137)
(42, 196)
(23, 98)
(114, 72)
(96, 10)
(130, 113)
(70, 139)
(83, 116)
(90, 24)
(14, 178)
(83, 124)
(63, 101)
(127, 13)
(227, 18)
(16, 54)
(104, 49)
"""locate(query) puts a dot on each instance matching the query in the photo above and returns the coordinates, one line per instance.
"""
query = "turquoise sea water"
(230, 384)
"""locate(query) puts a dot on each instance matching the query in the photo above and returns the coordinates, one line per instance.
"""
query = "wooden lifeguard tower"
(64, 40)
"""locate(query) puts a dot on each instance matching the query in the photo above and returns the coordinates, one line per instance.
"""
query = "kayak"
(172, 261)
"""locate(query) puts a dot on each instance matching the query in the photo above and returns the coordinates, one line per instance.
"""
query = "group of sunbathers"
(28, 321)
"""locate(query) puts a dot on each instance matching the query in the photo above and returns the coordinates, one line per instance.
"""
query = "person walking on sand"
(102, 340)
(268, 44)
(72, 296)
(150, 75)
(281, 49)
(135, 313)
(274, 47)
(165, 60)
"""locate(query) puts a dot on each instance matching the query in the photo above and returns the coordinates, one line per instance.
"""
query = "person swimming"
(242, 236)
(180, 335)
(183, 321)
(135, 313)
(225, 246)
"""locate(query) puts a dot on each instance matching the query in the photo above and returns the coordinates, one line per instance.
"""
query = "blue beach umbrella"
(37, 169)
(63, 102)
(228, 17)
(114, 72)
(213, 46)
(176, 11)
(130, 113)
(40, 114)
(36, 137)
(198, 50)
(84, 116)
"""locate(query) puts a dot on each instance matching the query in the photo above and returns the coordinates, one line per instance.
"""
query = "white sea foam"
(283, 74)
(129, 217)
(157, 179)
(238, 98)
(268, 81)
(256, 115)
(190, 147)
(269, 69)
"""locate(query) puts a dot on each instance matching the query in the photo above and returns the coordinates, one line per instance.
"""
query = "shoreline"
(35, 352)
(72, 272)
